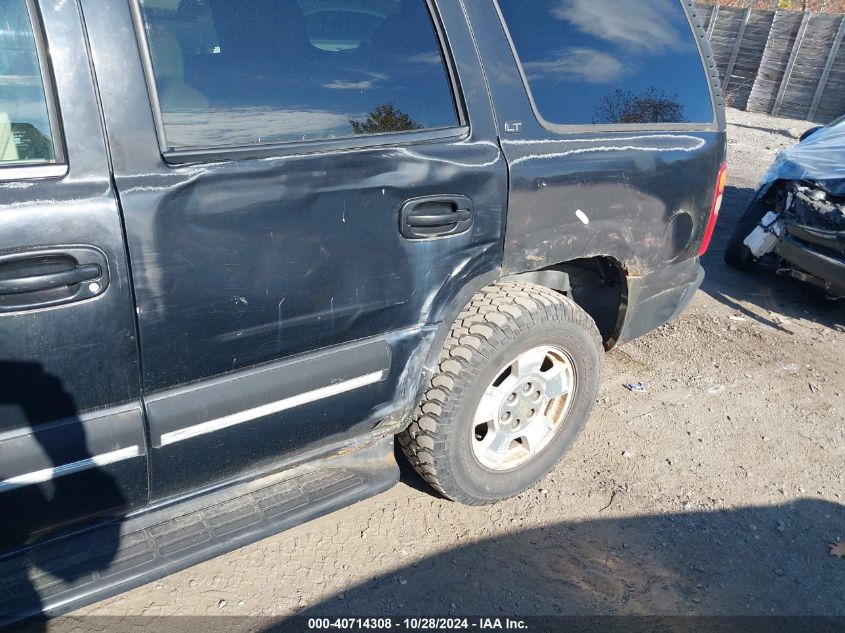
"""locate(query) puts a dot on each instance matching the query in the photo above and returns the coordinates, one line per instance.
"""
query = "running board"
(65, 574)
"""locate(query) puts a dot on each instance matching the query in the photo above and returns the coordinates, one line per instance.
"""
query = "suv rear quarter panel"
(637, 193)
(564, 204)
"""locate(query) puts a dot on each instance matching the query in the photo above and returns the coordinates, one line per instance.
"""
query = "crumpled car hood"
(819, 158)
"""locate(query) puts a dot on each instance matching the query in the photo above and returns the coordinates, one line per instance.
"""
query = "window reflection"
(266, 71)
(650, 106)
(385, 118)
(610, 61)
(24, 123)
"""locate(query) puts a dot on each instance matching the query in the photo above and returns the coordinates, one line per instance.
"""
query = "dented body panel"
(251, 257)
(617, 195)
(640, 196)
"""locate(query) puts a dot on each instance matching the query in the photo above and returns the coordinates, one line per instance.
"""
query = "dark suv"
(244, 244)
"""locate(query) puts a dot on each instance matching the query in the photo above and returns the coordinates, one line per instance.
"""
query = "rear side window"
(613, 62)
(25, 135)
(248, 72)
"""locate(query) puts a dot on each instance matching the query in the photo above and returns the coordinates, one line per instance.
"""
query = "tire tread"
(493, 316)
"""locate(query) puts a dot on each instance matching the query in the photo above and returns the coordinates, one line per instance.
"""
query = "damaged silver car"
(796, 222)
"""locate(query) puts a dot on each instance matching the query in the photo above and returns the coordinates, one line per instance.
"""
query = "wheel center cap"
(525, 411)
(521, 405)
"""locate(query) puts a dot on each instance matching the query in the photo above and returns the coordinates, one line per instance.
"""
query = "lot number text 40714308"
(417, 624)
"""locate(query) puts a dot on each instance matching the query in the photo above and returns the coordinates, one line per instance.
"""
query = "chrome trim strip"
(271, 408)
(13, 172)
(47, 474)
(74, 422)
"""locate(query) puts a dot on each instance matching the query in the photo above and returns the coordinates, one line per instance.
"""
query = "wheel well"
(597, 284)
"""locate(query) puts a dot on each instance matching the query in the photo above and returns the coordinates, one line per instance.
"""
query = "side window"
(247, 72)
(25, 135)
(609, 61)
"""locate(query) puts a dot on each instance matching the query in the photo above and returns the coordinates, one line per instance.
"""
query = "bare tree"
(650, 106)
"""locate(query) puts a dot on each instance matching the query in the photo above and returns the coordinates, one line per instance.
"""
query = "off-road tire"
(737, 254)
(500, 322)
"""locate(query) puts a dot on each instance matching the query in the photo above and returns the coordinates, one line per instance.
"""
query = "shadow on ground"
(755, 561)
(772, 130)
(762, 288)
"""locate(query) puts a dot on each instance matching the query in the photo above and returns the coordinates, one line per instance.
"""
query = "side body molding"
(181, 414)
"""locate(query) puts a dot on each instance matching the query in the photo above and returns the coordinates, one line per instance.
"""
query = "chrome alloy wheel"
(524, 408)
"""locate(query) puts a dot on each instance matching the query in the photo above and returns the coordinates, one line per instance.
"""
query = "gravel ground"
(718, 491)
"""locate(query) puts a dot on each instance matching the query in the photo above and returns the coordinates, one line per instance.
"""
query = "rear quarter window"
(609, 62)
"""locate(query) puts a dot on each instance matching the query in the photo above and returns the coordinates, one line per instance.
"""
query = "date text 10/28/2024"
(417, 624)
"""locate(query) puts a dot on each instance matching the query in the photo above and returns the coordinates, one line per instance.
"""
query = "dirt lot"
(716, 492)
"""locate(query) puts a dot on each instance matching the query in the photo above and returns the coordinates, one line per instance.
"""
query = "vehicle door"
(72, 444)
(311, 187)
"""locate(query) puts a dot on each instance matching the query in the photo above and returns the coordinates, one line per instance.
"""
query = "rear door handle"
(436, 216)
(439, 219)
(46, 277)
(37, 283)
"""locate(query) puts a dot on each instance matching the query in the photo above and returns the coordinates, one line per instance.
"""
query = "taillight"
(718, 196)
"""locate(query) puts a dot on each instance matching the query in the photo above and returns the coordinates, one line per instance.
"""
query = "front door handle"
(45, 277)
(436, 216)
(37, 283)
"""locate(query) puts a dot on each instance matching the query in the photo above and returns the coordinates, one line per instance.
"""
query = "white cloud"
(429, 59)
(363, 84)
(339, 84)
(582, 64)
(633, 23)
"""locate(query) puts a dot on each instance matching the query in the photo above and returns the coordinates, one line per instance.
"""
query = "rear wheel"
(737, 254)
(517, 380)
